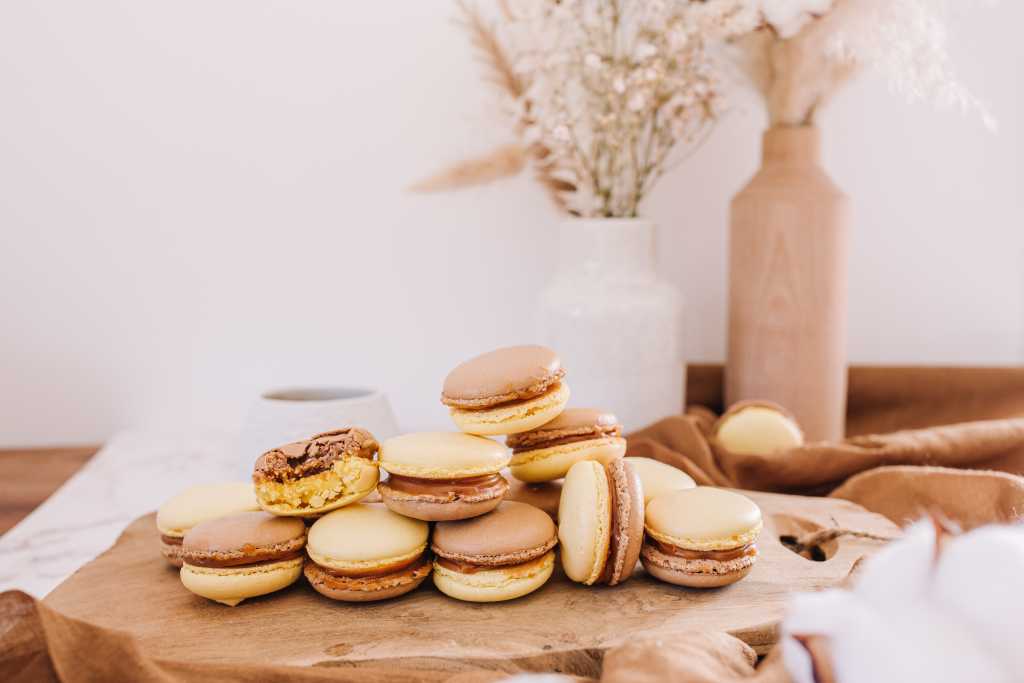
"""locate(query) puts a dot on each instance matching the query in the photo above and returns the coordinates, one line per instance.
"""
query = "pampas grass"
(508, 160)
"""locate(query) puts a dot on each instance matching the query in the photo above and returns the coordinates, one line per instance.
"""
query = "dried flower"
(801, 51)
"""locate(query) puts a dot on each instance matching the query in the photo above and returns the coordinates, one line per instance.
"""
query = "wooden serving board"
(563, 626)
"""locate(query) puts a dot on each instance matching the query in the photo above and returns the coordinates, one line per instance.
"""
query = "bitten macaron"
(323, 473)
(658, 478)
(600, 522)
(440, 476)
(757, 428)
(242, 556)
(365, 552)
(547, 452)
(502, 555)
(510, 390)
(199, 504)
(702, 537)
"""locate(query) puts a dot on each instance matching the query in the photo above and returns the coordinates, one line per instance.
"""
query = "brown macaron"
(506, 391)
(312, 477)
(544, 496)
(547, 452)
(241, 556)
(502, 555)
(601, 522)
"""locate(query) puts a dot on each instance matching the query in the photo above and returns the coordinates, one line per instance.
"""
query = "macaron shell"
(502, 375)
(674, 570)
(365, 536)
(757, 428)
(584, 521)
(513, 532)
(201, 503)
(243, 533)
(370, 589)
(513, 418)
(171, 553)
(230, 586)
(431, 511)
(349, 480)
(554, 462)
(442, 455)
(628, 519)
(545, 496)
(495, 585)
(704, 518)
(658, 478)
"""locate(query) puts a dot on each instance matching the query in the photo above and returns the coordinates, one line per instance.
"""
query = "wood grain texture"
(563, 626)
(788, 286)
(28, 477)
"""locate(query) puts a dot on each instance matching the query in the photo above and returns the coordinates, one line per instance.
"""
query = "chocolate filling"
(171, 540)
(459, 488)
(748, 550)
(254, 561)
(364, 573)
(318, 454)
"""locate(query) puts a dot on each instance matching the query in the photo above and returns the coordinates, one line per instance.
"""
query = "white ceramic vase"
(617, 327)
(281, 416)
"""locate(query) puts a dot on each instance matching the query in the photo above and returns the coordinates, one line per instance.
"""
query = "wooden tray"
(562, 626)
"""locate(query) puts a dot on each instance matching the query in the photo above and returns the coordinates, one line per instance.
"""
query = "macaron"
(702, 537)
(502, 555)
(547, 452)
(441, 476)
(545, 495)
(242, 556)
(658, 478)
(199, 504)
(601, 522)
(757, 428)
(365, 552)
(507, 391)
(323, 473)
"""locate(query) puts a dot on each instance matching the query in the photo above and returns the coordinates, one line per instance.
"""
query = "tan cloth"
(945, 468)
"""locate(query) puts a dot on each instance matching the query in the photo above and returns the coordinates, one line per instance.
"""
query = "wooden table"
(28, 477)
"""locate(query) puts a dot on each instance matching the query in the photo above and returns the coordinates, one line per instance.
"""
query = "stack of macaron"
(448, 511)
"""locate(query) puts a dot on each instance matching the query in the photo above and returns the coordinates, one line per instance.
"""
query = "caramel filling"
(749, 550)
(364, 573)
(255, 560)
(462, 488)
(464, 567)
(537, 443)
(171, 540)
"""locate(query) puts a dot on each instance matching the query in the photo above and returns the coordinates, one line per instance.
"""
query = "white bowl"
(281, 416)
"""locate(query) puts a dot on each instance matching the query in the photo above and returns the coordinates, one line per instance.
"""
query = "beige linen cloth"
(939, 439)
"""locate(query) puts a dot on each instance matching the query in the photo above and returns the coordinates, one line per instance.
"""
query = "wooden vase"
(788, 285)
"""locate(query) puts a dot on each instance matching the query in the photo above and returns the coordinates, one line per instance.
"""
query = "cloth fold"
(946, 469)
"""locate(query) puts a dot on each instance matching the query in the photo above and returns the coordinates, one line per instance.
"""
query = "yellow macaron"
(439, 476)
(365, 552)
(199, 504)
(547, 452)
(702, 537)
(757, 428)
(658, 478)
(506, 391)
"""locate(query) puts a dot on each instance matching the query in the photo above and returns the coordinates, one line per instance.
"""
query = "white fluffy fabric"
(916, 614)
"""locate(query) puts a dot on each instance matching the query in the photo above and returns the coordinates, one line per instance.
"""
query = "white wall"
(200, 200)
